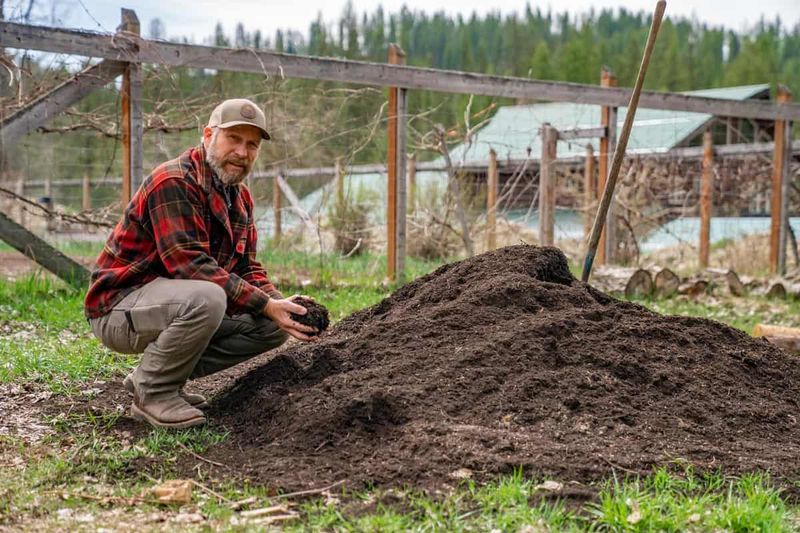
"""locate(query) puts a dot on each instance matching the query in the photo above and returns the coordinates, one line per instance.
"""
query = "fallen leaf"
(550, 486)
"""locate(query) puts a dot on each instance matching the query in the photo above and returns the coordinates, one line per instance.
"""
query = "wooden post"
(86, 188)
(608, 120)
(491, 201)
(276, 210)
(132, 126)
(589, 191)
(780, 174)
(547, 196)
(394, 151)
(411, 174)
(706, 198)
(338, 183)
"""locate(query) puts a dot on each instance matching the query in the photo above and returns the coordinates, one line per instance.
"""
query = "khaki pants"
(182, 332)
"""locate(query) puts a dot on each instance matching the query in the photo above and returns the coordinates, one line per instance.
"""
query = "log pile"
(633, 282)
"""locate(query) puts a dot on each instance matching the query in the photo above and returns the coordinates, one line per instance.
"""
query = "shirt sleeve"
(182, 240)
(249, 268)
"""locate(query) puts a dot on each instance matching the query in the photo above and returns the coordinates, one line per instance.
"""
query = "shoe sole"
(140, 415)
(128, 385)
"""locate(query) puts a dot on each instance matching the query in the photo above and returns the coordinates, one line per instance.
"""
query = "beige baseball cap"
(239, 111)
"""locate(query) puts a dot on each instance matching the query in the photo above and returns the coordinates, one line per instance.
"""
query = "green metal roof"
(514, 130)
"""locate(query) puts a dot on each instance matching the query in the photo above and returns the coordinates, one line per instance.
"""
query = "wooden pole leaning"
(622, 144)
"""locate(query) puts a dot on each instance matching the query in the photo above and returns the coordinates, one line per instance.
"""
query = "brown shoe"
(168, 412)
(195, 400)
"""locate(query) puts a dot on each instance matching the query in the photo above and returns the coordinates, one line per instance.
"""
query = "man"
(178, 279)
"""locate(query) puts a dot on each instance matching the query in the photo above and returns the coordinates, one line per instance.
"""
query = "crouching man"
(178, 280)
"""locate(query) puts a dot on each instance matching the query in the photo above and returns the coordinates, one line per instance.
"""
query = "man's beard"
(218, 165)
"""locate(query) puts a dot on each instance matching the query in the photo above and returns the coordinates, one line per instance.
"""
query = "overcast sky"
(196, 19)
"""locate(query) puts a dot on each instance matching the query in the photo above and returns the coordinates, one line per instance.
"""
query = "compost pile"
(506, 360)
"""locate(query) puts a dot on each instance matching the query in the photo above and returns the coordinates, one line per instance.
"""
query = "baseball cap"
(239, 111)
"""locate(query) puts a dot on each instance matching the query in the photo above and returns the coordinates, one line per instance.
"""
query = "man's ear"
(207, 132)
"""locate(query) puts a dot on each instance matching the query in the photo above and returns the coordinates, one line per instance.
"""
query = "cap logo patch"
(248, 112)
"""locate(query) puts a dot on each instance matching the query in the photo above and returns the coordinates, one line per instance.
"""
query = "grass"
(45, 340)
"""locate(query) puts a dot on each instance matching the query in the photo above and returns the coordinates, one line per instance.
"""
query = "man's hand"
(279, 311)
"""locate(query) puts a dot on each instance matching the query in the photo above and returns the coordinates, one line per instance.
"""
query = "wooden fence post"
(608, 120)
(86, 190)
(706, 198)
(589, 191)
(780, 178)
(547, 182)
(338, 184)
(395, 227)
(411, 174)
(276, 210)
(491, 201)
(132, 126)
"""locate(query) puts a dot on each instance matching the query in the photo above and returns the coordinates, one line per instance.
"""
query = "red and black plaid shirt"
(179, 226)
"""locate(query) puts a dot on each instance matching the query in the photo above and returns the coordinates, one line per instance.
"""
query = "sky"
(195, 19)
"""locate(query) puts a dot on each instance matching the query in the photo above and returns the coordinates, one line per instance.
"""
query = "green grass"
(45, 339)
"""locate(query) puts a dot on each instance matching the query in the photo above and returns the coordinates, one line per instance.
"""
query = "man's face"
(232, 151)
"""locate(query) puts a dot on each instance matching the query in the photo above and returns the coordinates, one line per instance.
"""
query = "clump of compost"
(502, 361)
(317, 315)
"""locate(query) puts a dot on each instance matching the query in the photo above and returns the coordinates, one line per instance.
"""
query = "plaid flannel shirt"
(167, 231)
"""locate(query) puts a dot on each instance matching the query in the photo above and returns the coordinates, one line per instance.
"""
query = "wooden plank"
(338, 185)
(126, 48)
(785, 195)
(276, 211)
(41, 252)
(51, 104)
(779, 176)
(584, 133)
(492, 187)
(547, 192)
(589, 191)
(706, 193)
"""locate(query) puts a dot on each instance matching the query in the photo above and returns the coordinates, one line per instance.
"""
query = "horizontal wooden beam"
(584, 133)
(47, 106)
(42, 253)
(129, 47)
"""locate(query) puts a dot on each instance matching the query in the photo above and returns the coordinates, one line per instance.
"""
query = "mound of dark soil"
(506, 360)
(316, 316)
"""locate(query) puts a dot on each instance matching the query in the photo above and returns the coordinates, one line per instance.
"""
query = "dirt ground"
(496, 362)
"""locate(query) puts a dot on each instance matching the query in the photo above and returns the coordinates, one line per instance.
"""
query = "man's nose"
(241, 150)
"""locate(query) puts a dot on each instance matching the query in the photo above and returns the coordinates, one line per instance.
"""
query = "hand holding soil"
(286, 314)
(316, 315)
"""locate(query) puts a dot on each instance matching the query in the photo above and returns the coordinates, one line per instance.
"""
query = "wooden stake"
(491, 201)
(619, 152)
(338, 182)
(780, 174)
(86, 189)
(411, 172)
(589, 190)
(396, 57)
(276, 211)
(706, 193)
(608, 120)
(547, 196)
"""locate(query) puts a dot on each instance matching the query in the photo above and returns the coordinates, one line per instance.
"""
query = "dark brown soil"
(505, 360)
(316, 316)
